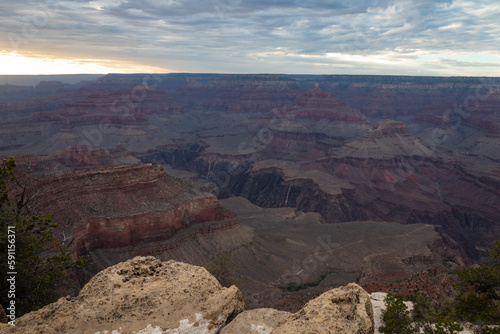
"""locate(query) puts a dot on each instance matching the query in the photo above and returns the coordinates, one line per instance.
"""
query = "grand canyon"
(387, 181)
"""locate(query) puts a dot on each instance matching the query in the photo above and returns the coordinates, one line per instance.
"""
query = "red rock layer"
(239, 93)
(319, 104)
(389, 128)
(119, 206)
(126, 107)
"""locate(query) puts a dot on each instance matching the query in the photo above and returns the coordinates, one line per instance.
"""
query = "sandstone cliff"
(145, 295)
(116, 212)
(240, 93)
(386, 139)
(317, 111)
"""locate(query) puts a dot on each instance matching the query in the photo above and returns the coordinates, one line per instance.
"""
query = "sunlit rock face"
(139, 294)
(145, 295)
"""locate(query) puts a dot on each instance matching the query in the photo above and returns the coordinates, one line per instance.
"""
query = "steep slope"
(116, 212)
(320, 111)
(386, 139)
(291, 247)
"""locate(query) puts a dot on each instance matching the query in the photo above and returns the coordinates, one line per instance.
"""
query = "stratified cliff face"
(240, 93)
(75, 157)
(421, 190)
(137, 209)
(319, 104)
(97, 119)
(387, 139)
(396, 96)
(315, 123)
(275, 187)
(116, 108)
(319, 111)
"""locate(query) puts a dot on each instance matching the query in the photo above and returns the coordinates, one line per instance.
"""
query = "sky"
(420, 37)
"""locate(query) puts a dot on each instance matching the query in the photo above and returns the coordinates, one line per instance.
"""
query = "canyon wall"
(129, 210)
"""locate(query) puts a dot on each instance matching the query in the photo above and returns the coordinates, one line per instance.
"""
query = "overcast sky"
(425, 37)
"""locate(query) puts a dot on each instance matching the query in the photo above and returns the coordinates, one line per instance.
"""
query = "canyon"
(372, 179)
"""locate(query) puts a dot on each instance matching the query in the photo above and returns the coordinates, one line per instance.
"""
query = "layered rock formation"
(399, 96)
(144, 295)
(116, 212)
(138, 102)
(74, 157)
(319, 104)
(272, 183)
(424, 190)
(314, 113)
(387, 138)
(85, 118)
(240, 93)
(291, 248)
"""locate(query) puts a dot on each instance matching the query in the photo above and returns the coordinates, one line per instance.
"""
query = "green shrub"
(396, 317)
(478, 300)
(40, 261)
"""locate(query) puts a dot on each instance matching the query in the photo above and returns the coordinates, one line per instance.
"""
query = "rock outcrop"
(344, 310)
(117, 212)
(137, 294)
(256, 321)
(145, 295)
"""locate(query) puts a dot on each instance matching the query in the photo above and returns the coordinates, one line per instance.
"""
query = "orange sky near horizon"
(16, 64)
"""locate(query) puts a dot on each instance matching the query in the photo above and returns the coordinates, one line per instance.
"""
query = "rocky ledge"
(146, 296)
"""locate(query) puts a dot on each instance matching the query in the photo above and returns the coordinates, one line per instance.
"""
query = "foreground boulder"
(256, 321)
(147, 296)
(345, 310)
(141, 295)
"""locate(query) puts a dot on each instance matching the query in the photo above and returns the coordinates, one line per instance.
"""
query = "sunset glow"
(12, 63)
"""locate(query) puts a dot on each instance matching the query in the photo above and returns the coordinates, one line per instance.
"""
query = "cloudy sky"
(419, 37)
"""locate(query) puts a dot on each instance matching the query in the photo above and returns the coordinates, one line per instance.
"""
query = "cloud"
(256, 36)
